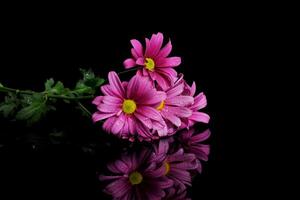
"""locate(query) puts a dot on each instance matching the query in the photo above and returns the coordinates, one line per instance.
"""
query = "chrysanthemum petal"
(129, 63)
(134, 54)
(172, 118)
(175, 91)
(107, 125)
(165, 51)
(200, 117)
(140, 61)
(156, 43)
(147, 51)
(116, 84)
(169, 62)
(118, 125)
(161, 128)
(163, 81)
(97, 100)
(106, 90)
(131, 125)
(100, 116)
(111, 100)
(180, 111)
(144, 120)
(137, 47)
(150, 112)
(138, 87)
(200, 102)
(180, 100)
(105, 108)
(168, 72)
(193, 89)
(143, 131)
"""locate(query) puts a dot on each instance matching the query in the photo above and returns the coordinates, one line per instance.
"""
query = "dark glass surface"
(65, 152)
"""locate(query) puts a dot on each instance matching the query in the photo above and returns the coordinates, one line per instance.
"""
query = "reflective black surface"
(65, 153)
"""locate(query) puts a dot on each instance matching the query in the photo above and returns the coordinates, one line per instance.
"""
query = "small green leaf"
(89, 83)
(34, 108)
(80, 84)
(26, 99)
(52, 88)
(100, 81)
(58, 88)
(81, 88)
(9, 105)
(38, 98)
(32, 113)
(87, 74)
(95, 82)
(49, 84)
(1, 85)
(7, 109)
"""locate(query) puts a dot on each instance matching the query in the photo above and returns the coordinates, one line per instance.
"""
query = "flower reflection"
(191, 143)
(136, 178)
(177, 164)
(176, 193)
(160, 171)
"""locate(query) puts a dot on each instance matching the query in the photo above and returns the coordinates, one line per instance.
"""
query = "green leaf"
(81, 89)
(89, 83)
(100, 81)
(87, 74)
(32, 113)
(52, 88)
(95, 82)
(34, 108)
(49, 84)
(26, 99)
(38, 97)
(9, 105)
(1, 85)
(58, 88)
(7, 109)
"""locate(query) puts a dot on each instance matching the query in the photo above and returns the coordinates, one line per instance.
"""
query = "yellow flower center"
(167, 166)
(129, 106)
(150, 64)
(161, 106)
(135, 178)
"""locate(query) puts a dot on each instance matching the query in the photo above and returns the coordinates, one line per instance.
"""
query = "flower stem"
(83, 108)
(128, 70)
(6, 89)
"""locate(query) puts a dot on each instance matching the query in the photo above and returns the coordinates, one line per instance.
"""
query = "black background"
(222, 49)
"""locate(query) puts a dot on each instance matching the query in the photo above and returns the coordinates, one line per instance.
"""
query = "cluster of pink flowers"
(154, 103)
(163, 171)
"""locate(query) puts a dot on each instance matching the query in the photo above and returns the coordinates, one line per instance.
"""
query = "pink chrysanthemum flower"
(191, 142)
(200, 102)
(154, 60)
(175, 107)
(177, 165)
(130, 108)
(136, 178)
